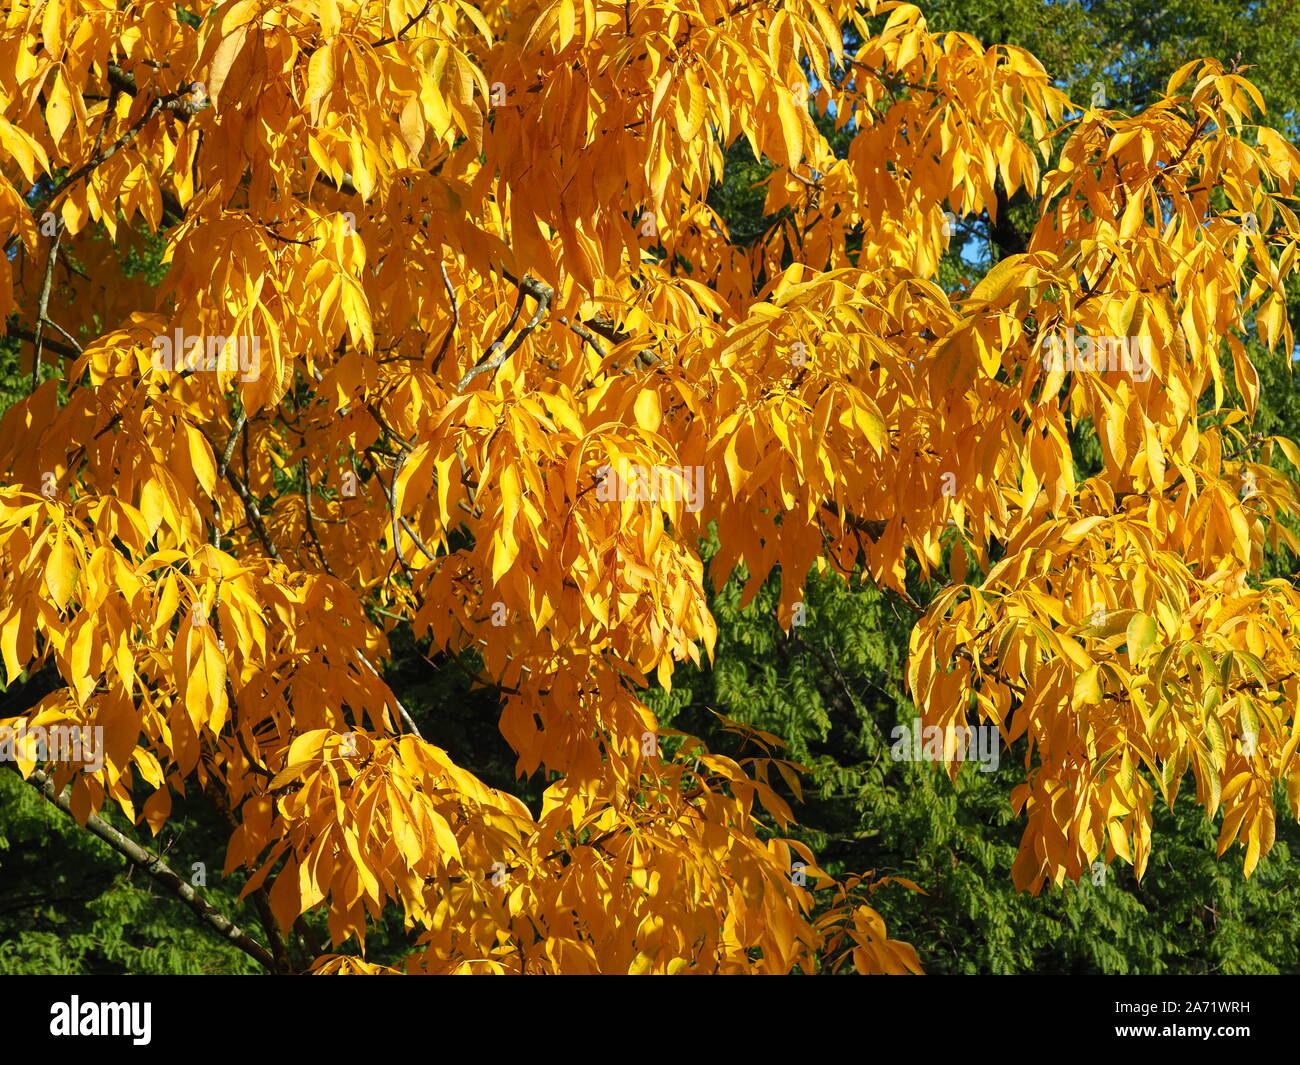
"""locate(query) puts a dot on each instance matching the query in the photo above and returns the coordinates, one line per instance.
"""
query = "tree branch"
(19, 332)
(483, 366)
(179, 102)
(455, 319)
(405, 29)
(43, 306)
(401, 710)
(154, 866)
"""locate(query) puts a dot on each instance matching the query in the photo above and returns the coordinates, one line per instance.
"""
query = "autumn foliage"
(468, 253)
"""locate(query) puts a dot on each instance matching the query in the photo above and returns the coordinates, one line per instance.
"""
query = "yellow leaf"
(999, 279)
(1079, 529)
(61, 571)
(223, 59)
(205, 686)
(648, 415)
(1140, 635)
(157, 808)
(58, 109)
(791, 128)
(567, 24)
(1087, 686)
(201, 458)
(321, 73)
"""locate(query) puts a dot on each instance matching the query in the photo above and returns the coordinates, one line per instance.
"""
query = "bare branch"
(43, 306)
(405, 714)
(154, 866)
(455, 319)
(311, 522)
(483, 366)
(182, 102)
(65, 334)
(230, 444)
(254, 514)
(19, 332)
(405, 29)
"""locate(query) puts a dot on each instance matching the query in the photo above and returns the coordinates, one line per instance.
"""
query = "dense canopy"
(451, 335)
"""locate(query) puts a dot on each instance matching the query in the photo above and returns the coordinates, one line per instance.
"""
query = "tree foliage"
(496, 370)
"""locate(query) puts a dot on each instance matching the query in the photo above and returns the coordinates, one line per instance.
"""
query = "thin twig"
(455, 319)
(43, 307)
(402, 711)
(311, 523)
(405, 29)
(66, 335)
(171, 102)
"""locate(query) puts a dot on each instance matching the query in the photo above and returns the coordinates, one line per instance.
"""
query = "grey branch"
(455, 318)
(154, 866)
(183, 103)
(600, 324)
(405, 714)
(43, 308)
(543, 297)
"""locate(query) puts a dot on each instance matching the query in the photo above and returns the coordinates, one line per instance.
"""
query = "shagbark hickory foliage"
(467, 253)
